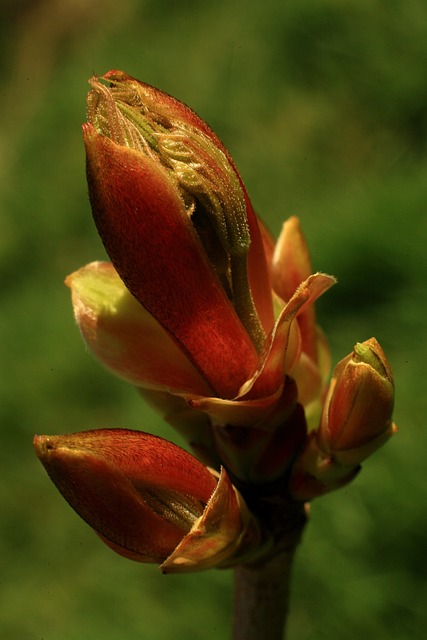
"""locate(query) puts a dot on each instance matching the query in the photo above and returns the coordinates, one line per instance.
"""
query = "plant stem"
(261, 590)
(261, 598)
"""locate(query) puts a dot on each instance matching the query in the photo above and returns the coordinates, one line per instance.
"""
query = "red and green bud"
(135, 115)
(148, 499)
(172, 212)
(356, 421)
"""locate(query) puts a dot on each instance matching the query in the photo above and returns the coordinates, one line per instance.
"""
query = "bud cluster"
(215, 325)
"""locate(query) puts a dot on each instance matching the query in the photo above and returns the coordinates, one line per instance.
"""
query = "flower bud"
(176, 221)
(357, 415)
(135, 115)
(356, 421)
(144, 495)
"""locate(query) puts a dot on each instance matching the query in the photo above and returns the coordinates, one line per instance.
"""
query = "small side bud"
(357, 417)
(356, 421)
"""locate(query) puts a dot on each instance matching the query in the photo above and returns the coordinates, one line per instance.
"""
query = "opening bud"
(160, 130)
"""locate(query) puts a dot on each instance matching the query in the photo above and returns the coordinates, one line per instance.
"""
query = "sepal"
(225, 534)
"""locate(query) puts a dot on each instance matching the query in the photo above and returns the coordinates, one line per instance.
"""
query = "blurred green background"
(323, 105)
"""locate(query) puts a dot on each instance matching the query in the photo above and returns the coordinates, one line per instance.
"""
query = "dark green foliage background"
(323, 104)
